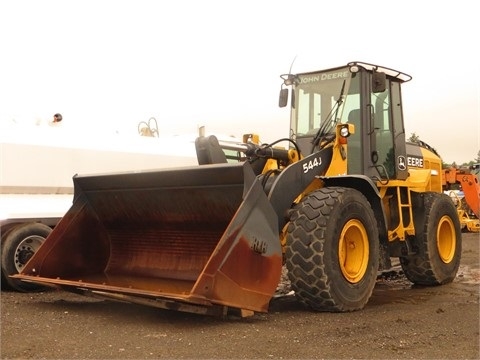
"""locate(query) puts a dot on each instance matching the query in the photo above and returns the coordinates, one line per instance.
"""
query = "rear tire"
(332, 250)
(18, 246)
(437, 242)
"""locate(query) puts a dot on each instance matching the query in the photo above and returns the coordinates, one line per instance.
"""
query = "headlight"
(344, 131)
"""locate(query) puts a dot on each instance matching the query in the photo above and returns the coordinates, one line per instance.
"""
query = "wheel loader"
(333, 203)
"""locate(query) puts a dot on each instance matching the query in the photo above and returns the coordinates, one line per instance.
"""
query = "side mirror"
(379, 82)
(283, 98)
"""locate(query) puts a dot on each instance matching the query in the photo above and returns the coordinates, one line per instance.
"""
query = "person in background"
(57, 118)
(55, 121)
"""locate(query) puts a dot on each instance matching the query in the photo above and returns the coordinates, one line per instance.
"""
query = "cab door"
(385, 132)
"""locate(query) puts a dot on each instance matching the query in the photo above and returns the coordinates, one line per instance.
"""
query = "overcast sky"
(107, 65)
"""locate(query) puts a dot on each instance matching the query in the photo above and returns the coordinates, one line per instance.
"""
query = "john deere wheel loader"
(334, 206)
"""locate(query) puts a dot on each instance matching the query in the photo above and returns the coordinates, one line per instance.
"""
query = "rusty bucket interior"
(204, 235)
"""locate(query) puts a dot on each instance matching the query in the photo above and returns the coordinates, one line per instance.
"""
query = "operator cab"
(362, 94)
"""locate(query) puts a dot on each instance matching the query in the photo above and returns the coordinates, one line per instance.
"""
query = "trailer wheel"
(437, 242)
(18, 246)
(332, 250)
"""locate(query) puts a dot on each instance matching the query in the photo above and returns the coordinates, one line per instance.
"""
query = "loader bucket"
(187, 238)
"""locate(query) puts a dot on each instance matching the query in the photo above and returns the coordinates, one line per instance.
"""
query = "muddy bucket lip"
(89, 286)
(192, 304)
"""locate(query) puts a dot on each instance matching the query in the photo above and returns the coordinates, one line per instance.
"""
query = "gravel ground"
(401, 321)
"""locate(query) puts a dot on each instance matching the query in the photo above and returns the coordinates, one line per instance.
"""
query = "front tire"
(332, 250)
(437, 243)
(18, 246)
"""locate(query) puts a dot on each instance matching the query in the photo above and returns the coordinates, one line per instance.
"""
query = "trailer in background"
(37, 165)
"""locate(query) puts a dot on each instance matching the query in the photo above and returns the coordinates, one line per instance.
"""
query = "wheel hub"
(446, 240)
(26, 249)
(353, 251)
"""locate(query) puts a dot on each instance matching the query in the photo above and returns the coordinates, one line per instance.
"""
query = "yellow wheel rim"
(353, 251)
(446, 239)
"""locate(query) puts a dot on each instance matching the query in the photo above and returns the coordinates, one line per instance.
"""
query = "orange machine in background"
(464, 180)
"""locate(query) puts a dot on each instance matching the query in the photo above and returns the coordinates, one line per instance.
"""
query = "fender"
(368, 188)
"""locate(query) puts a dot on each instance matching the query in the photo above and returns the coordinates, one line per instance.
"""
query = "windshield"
(324, 99)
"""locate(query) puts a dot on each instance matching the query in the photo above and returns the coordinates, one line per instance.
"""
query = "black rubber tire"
(323, 222)
(18, 246)
(437, 242)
